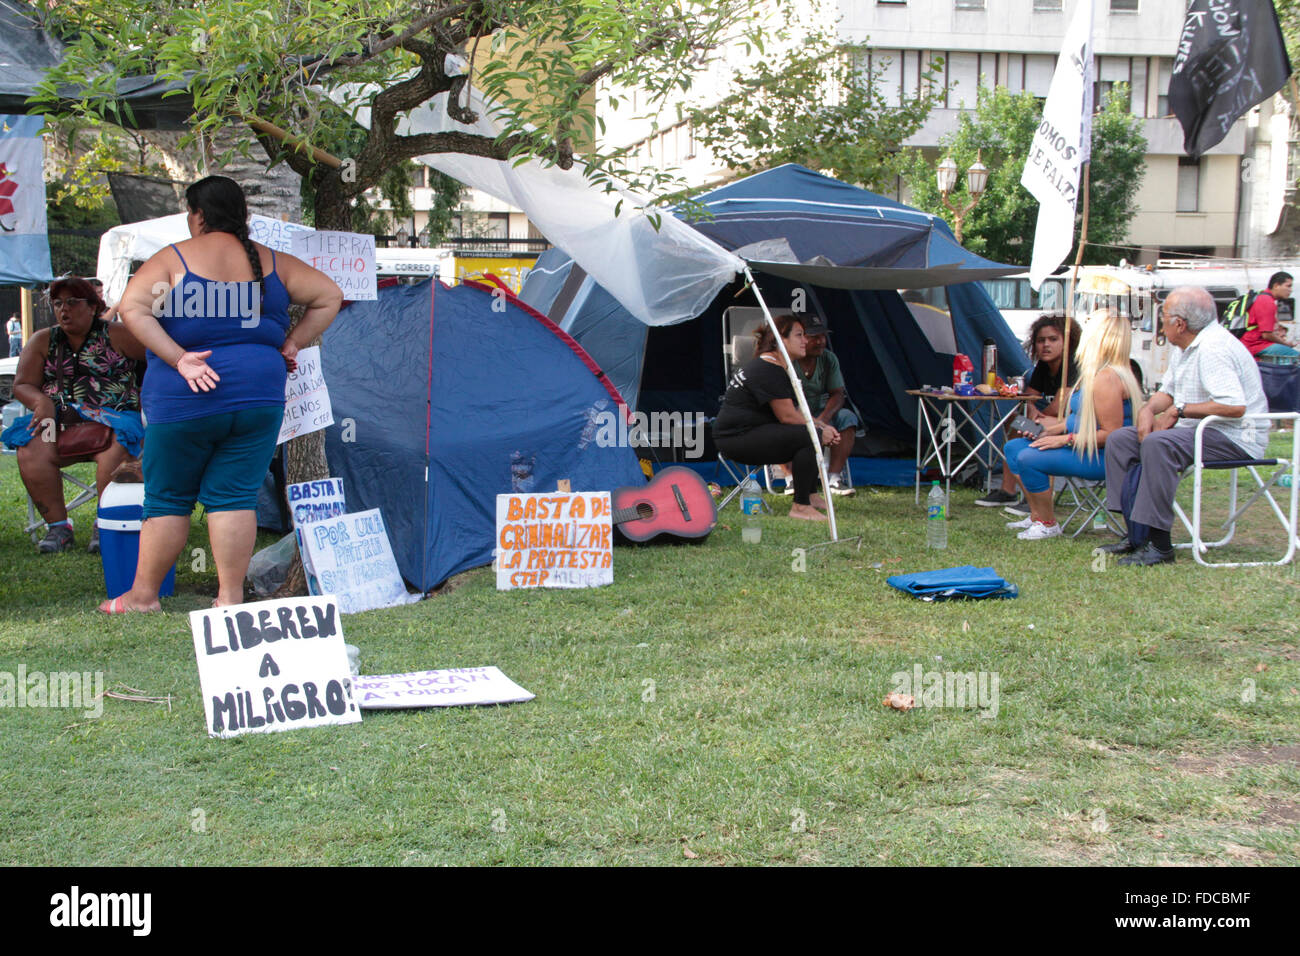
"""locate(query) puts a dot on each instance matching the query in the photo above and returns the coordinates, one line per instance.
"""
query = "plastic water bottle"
(751, 506)
(354, 659)
(936, 518)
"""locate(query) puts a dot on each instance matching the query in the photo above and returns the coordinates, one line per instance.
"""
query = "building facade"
(1231, 201)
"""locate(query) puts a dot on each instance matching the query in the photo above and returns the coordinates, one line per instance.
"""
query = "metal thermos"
(990, 364)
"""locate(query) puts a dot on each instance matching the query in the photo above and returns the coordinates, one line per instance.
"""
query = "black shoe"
(93, 546)
(997, 498)
(57, 538)
(1119, 547)
(1148, 555)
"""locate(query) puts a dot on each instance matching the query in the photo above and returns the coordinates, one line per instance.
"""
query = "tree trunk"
(304, 458)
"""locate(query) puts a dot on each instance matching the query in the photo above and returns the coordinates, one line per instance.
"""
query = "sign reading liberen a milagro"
(561, 540)
(346, 257)
(454, 687)
(307, 406)
(353, 560)
(273, 665)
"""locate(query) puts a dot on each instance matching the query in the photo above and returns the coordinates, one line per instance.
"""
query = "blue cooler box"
(121, 512)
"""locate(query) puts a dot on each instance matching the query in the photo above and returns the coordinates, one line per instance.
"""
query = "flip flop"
(114, 606)
(118, 606)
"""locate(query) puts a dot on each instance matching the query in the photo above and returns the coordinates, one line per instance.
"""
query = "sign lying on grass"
(311, 501)
(455, 687)
(346, 257)
(273, 665)
(353, 560)
(306, 399)
(560, 540)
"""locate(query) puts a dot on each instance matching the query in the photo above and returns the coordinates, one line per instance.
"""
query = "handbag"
(77, 438)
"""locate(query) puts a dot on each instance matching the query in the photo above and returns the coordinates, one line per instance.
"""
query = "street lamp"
(400, 236)
(977, 177)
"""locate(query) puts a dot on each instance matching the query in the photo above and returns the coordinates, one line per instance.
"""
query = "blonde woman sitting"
(1100, 402)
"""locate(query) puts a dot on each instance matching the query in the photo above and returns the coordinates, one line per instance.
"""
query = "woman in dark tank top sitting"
(213, 312)
(760, 422)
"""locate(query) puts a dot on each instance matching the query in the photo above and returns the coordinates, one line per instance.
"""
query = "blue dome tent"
(841, 252)
(444, 398)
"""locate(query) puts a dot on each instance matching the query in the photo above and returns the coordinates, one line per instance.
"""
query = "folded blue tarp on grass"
(944, 584)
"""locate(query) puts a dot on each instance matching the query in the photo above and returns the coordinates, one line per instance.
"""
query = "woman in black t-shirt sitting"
(760, 422)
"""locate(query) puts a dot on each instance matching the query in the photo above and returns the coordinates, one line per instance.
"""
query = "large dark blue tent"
(444, 398)
(845, 252)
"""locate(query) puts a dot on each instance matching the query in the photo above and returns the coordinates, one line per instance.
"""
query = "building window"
(1047, 6)
(1123, 6)
(969, 4)
(1189, 184)
(1292, 164)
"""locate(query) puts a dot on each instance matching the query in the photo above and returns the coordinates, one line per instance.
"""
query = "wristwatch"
(1181, 410)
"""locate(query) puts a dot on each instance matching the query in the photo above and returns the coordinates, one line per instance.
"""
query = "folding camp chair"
(1087, 500)
(35, 523)
(740, 474)
(1263, 489)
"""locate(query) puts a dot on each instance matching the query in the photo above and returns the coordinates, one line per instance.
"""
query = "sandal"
(118, 606)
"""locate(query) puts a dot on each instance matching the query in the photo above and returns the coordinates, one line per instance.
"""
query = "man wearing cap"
(823, 386)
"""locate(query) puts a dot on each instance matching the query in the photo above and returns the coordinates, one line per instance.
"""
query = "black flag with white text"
(1230, 57)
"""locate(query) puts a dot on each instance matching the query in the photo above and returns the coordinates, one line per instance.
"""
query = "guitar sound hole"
(643, 511)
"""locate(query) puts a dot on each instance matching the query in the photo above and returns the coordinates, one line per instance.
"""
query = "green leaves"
(999, 131)
(818, 106)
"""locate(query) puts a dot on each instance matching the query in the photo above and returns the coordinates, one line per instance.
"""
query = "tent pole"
(803, 404)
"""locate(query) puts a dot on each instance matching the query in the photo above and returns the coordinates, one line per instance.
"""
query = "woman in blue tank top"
(213, 312)
(1101, 402)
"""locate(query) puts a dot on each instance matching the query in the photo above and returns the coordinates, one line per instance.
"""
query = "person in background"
(14, 329)
(760, 422)
(219, 354)
(1211, 374)
(1263, 335)
(1046, 346)
(81, 368)
(1101, 401)
(823, 388)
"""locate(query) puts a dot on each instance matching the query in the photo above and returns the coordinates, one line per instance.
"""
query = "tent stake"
(803, 404)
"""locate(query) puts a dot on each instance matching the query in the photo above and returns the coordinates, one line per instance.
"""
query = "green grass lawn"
(711, 706)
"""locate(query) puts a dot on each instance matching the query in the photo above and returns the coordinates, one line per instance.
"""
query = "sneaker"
(1038, 531)
(839, 487)
(1018, 510)
(997, 498)
(93, 546)
(1022, 524)
(57, 538)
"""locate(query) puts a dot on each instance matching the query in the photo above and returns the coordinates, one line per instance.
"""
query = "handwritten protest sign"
(455, 687)
(306, 399)
(275, 234)
(353, 560)
(554, 541)
(346, 257)
(273, 665)
(314, 501)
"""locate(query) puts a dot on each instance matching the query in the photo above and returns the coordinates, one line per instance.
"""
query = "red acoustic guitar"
(676, 502)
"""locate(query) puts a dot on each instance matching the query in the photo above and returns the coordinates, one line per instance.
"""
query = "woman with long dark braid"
(213, 312)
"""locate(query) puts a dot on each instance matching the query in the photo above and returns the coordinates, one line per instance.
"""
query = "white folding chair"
(1263, 490)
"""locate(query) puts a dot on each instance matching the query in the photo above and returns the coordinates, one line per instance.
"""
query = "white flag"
(1061, 146)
